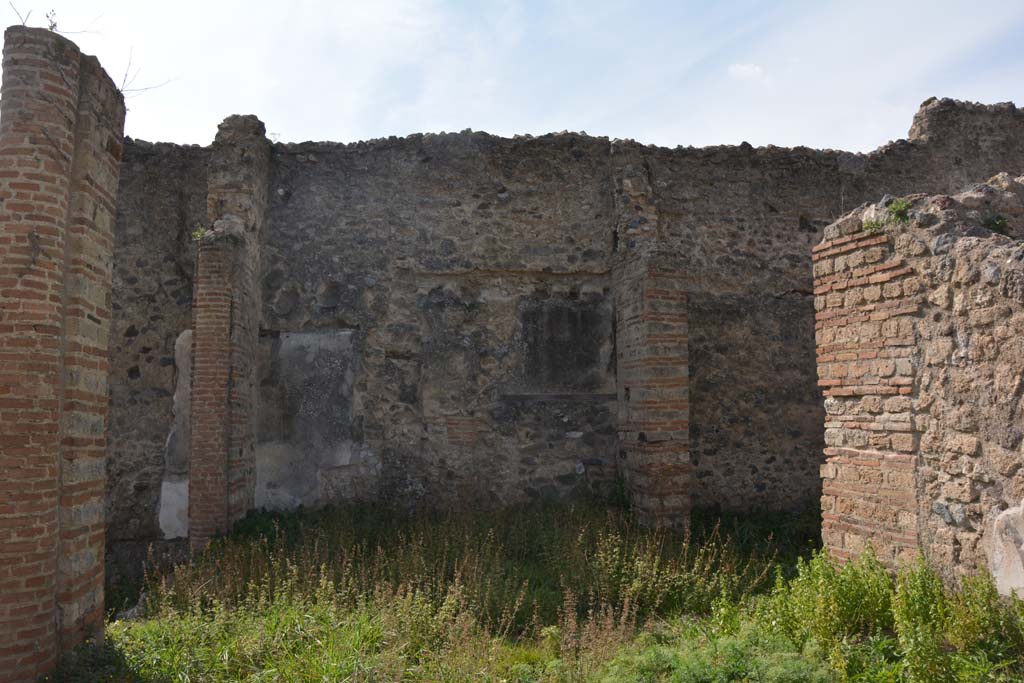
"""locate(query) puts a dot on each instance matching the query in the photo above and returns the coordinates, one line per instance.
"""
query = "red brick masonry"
(865, 298)
(61, 123)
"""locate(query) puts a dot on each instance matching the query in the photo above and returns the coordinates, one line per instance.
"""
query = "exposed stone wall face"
(922, 364)
(460, 268)
(472, 274)
(61, 121)
(161, 201)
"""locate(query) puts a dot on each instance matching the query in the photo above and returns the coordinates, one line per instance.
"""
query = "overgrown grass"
(514, 567)
(548, 595)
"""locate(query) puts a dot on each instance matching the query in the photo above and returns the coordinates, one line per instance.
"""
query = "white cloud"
(746, 72)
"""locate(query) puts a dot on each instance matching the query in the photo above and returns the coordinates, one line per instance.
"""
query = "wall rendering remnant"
(61, 121)
(921, 357)
(305, 453)
(174, 487)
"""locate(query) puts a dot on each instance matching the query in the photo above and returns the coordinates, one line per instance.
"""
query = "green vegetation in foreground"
(549, 595)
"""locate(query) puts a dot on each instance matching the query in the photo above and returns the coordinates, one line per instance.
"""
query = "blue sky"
(845, 75)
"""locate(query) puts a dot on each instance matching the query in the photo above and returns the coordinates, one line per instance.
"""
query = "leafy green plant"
(872, 225)
(831, 605)
(749, 655)
(898, 210)
(921, 611)
(199, 231)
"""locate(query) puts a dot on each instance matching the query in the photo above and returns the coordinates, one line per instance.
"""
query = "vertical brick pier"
(652, 362)
(653, 390)
(867, 298)
(61, 124)
(920, 312)
(226, 317)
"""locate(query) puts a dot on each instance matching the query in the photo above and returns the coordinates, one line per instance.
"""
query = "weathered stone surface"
(930, 371)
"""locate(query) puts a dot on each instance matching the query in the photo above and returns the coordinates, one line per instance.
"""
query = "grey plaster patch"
(305, 453)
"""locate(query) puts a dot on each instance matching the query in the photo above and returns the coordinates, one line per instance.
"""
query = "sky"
(844, 75)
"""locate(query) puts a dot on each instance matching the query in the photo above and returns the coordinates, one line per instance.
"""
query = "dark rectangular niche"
(567, 344)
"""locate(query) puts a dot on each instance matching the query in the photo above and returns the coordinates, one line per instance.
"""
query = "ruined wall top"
(945, 117)
(63, 51)
(936, 118)
(992, 209)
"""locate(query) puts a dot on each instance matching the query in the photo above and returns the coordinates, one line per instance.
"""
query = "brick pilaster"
(61, 121)
(226, 316)
(653, 389)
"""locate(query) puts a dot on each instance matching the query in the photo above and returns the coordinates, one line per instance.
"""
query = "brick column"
(226, 316)
(653, 389)
(867, 300)
(61, 122)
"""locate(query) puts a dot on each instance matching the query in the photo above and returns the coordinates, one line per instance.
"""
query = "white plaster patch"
(174, 508)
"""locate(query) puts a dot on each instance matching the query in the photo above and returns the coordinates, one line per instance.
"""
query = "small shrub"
(872, 226)
(832, 605)
(899, 211)
(199, 232)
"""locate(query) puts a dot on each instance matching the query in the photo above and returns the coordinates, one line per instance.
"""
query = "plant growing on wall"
(899, 211)
(872, 225)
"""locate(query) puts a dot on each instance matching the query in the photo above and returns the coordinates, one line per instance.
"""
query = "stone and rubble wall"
(462, 282)
(61, 122)
(742, 221)
(161, 202)
(921, 360)
(460, 291)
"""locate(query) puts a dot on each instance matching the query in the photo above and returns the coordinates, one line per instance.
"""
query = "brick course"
(61, 122)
